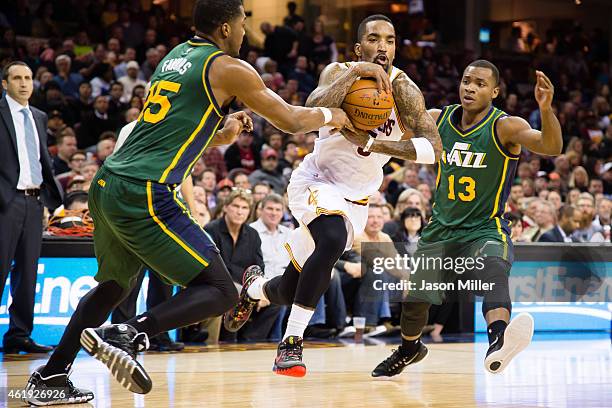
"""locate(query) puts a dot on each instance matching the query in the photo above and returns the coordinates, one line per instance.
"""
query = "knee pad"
(496, 272)
(414, 317)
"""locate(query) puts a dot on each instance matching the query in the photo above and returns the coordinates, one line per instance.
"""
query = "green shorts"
(143, 224)
(461, 252)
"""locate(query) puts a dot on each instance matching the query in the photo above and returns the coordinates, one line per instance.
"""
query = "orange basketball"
(367, 108)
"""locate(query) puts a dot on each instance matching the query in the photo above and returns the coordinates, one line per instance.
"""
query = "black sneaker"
(289, 357)
(57, 389)
(508, 344)
(163, 342)
(398, 360)
(236, 317)
(116, 346)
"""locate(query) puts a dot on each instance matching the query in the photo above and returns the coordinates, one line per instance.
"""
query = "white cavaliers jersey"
(336, 160)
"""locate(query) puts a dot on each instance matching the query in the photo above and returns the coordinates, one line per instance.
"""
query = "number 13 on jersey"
(470, 188)
(155, 97)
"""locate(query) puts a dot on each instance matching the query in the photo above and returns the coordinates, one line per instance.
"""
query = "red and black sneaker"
(289, 357)
(236, 317)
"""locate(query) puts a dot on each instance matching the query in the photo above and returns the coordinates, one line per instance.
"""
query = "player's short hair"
(374, 17)
(489, 65)
(210, 14)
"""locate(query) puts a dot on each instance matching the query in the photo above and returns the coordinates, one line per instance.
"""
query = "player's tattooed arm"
(413, 115)
(336, 80)
(334, 83)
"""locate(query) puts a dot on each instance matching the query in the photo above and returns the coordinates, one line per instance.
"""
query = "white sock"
(298, 320)
(255, 291)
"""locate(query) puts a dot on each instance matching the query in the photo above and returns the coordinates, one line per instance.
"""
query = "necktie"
(32, 148)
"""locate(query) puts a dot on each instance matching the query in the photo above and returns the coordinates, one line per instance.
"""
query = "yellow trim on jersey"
(439, 173)
(185, 209)
(499, 190)
(193, 44)
(495, 139)
(441, 120)
(503, 236)
(484, 122)
(292, 258)
(363, 201)
(209, 92)
(214, 132)
(185, 145)
(324, 211)
(167, 231)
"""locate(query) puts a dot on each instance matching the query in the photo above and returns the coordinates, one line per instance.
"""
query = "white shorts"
(310, 197)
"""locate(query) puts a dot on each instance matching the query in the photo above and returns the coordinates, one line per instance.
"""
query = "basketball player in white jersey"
(328, 192)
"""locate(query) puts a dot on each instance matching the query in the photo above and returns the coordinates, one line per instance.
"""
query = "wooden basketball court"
(550, 373)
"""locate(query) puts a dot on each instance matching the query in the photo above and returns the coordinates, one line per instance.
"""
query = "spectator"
(66, 146)
(105, 147)
(516, 193)
(292, 17)
(412, 223)
(151, 63)
(269, 172)
(587, 232)
(95, 124)
(120, 69)
(84, 103)
(516, 226)
(116, 107)
(555, 199)
(604, 210)
(243, 154)
(260, 191)
(596, 187)
(101, 83)
(273, 235)
(290, 155)
(240, 179)
(281, 45)
(130, 80)
(88, 171)
(75, 163)
(324, 49)
(545, 218)
(306, 83)
(68, 81)
(240, 248)
(579, 179)
(569, 219)
(55, 124)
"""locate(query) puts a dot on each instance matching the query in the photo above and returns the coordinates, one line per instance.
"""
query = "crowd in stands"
(91, 66)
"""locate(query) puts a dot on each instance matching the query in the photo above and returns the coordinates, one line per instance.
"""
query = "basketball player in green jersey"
(139, 221)
(481, 148)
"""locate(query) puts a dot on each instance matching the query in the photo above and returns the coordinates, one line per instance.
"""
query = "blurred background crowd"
(92, 62)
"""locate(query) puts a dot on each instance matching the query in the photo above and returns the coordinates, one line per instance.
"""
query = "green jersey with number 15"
(179, 118)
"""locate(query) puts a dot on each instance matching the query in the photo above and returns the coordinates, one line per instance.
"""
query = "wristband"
(424, 150)
(368, 145)
(327, 114)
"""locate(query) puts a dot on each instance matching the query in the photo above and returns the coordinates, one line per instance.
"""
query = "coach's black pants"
(20, 240)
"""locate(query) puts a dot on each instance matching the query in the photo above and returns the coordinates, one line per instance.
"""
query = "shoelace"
(395, 358)
(293, 352)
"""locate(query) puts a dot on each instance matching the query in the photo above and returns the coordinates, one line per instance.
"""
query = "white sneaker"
(515, 339)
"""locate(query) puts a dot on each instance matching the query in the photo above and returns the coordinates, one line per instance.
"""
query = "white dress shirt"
(25, 176)
(565, 237)
(275, 256)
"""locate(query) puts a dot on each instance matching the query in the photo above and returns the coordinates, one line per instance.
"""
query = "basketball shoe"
(509, 343)
(398, 360)
(236, 317)
(116, 346)
(289, 357)
(53, 390)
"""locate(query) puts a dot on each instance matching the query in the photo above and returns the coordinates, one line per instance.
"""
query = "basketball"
(365, 106)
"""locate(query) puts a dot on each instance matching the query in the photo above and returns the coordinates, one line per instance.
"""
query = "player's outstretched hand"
(376, 72)
(356, 136)
(339, 121)
(235, 124)
(544, 91)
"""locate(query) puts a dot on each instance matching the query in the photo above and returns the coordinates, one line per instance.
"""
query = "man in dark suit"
(568, 223)
(26, 183)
